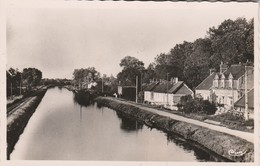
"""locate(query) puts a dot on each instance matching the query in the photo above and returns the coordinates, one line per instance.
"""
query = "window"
(152, 95)
(216, 83)
(222, 83)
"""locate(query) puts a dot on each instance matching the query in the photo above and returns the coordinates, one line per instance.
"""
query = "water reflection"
(129, 125)
(65, 127)
(82, 98)
(201, 155)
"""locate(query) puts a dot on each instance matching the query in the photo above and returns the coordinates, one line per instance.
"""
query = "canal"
(62, 129)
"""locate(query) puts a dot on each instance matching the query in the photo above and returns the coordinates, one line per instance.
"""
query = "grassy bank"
(17, 121)
(214, 141)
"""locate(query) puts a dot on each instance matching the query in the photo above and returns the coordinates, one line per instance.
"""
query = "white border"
(91, 4)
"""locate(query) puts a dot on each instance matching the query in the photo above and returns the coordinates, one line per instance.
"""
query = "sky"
(60, 36)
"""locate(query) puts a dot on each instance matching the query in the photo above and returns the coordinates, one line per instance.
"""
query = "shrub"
(249, 122)
(199, 106)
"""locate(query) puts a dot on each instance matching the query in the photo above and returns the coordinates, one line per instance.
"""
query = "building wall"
(205, 94)
(160, 98)
(148, 96)
(224, 96)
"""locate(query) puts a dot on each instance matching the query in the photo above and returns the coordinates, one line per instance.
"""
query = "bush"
(249, 122)
(199, 106)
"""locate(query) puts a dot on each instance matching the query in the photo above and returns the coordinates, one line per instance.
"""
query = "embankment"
(17, 121)
(227, 146)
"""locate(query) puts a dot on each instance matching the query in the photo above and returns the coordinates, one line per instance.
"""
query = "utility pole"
(102, 84)
(21, 85)
(246, 95)
(233, 100)
(136, 89)
(11, 90)
(167, 89)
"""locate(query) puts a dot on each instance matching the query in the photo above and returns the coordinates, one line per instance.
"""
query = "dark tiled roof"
(150, 86)
(241, 101)
(207, 83)
(175, 87)
(236, 71)
(162, 87)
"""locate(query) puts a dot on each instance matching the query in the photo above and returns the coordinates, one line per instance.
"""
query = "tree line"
(19, 82)
(231, 42)
(90, 78)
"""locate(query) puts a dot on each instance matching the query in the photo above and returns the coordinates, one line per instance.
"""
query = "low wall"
(18, 120)
(227, 146)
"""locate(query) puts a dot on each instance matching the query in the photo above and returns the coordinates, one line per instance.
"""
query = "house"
(240, 104)
(204, 89)
(166, 93)
(148, 92)
(226, 86)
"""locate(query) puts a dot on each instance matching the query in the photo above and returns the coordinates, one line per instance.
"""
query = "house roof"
(207, 83)
(175, 87)
(236, 70)
(172, 87)
(241, 101)
(150, 87)
(163, 87)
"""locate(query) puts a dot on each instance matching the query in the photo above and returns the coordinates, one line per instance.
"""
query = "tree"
(197, 65)
(82, 77)
(13, 81)
(132, 67)
(232, 42)
(172, 62)
(31, 77)
(149, 73)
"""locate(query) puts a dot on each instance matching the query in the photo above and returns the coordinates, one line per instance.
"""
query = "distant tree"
(83, 76)
(13, 80)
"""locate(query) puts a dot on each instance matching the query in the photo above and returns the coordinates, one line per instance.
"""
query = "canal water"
(62, 129)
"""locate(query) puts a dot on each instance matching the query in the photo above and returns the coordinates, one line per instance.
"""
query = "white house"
(227, 86)
(166, 93)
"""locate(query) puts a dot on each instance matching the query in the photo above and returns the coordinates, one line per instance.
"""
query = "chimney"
(212, 71)
(172, 80)
(176, 79)
(222, 67)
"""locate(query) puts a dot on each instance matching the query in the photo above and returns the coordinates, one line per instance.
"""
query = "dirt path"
(244, 135)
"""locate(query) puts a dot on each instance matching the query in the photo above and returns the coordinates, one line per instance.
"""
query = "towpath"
(244, 135)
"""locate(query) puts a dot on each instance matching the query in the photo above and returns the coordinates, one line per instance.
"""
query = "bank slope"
(225, 145)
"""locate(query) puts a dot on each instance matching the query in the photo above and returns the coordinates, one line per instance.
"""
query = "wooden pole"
(11, 90)
(167, 89)
(136, 89)
(102, 85)
(246, 95)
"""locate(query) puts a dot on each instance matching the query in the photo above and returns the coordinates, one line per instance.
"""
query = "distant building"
(226, 86)
(127, 92)
(166, 93)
